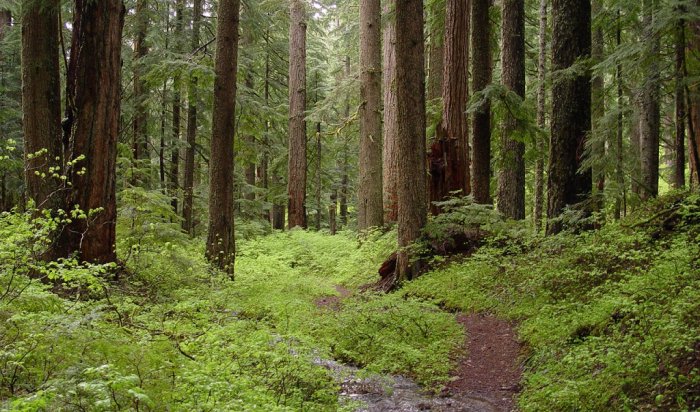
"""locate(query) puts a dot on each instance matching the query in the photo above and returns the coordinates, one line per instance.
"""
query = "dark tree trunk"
(220, 239)
(319, 212)
(541, 115)
(390, 125)
(174, 173)
(449, 154)
(410, 91)
(296, 185)
(571, 109)
(436, 49)
(621, 201)
(370, 211)
(650, 123)
(140, 123)
(332, 210)
(679, 146)
(597, 114)
(481, 121)
(41, 103)
(693, 99)
(92, 127)
(345, 165)
(188, 201)
(511, 179)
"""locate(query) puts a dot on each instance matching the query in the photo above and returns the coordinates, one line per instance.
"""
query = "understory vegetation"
(610, 318)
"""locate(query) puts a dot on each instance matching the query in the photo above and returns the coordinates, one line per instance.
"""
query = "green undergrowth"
(171, 334)
(611, 317)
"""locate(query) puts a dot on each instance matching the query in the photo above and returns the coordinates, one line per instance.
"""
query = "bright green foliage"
(171, 334)
(610, 316)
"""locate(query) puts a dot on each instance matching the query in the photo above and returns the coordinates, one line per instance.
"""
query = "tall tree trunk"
(650, 123)
(345, 165)
(511, 179)
(319, 212)
(92, 128)
(163, 124)
(436, 49)
(679, 146)
(188, 204)
(140, 122)
(598, 113)
(621, 201)
(390, 125)
(370, 211)
(296, 185)
(693, 99)
(277, 209)
(541, 115)
(177, 107)
(332, 210)
(571, 109)
(41, 102)
(481, 122)
(410, 94)
(449, 154)
(220, 239)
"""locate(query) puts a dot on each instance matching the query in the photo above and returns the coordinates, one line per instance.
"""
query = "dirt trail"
(486, 379)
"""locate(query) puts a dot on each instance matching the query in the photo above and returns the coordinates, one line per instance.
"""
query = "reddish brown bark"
(296, 184)
(449, 154)
(92, 127)
(189, 175)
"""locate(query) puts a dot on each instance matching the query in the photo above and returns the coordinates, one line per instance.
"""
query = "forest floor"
(610, 319)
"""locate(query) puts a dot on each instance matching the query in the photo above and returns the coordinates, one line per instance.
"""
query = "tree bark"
(571, 109)
(410, 91)
(390, 125)
(140, 122)
(345, 164)
(650, 124)
(41, 103)
(332, 210)
(188, 201)
(481, 121)
(679, 146)
(436, 50)
(449, 154)
(174, 174)
(220, 239)
(92, 127)
(319, 211)
(296, 185)
(597, 114)
(693, 98)
(370, 211)
(541, 115)
(621, 201)
(511, 179)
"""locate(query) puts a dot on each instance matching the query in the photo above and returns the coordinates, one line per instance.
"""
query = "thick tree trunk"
(449, 154)
(650, 125)
(693, 99)
(220, 239)
(188, 201)
(410, 91)
(511, 179)
(140, 122)
(92, 128)
(296, 185)
(481, 121)
(370, 212)
(679, 146)
(541, 115)
(390, 125)
(41, 103)
(174, 174)
(571, 109)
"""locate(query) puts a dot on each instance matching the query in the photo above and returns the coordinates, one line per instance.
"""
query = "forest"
(349, 205)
